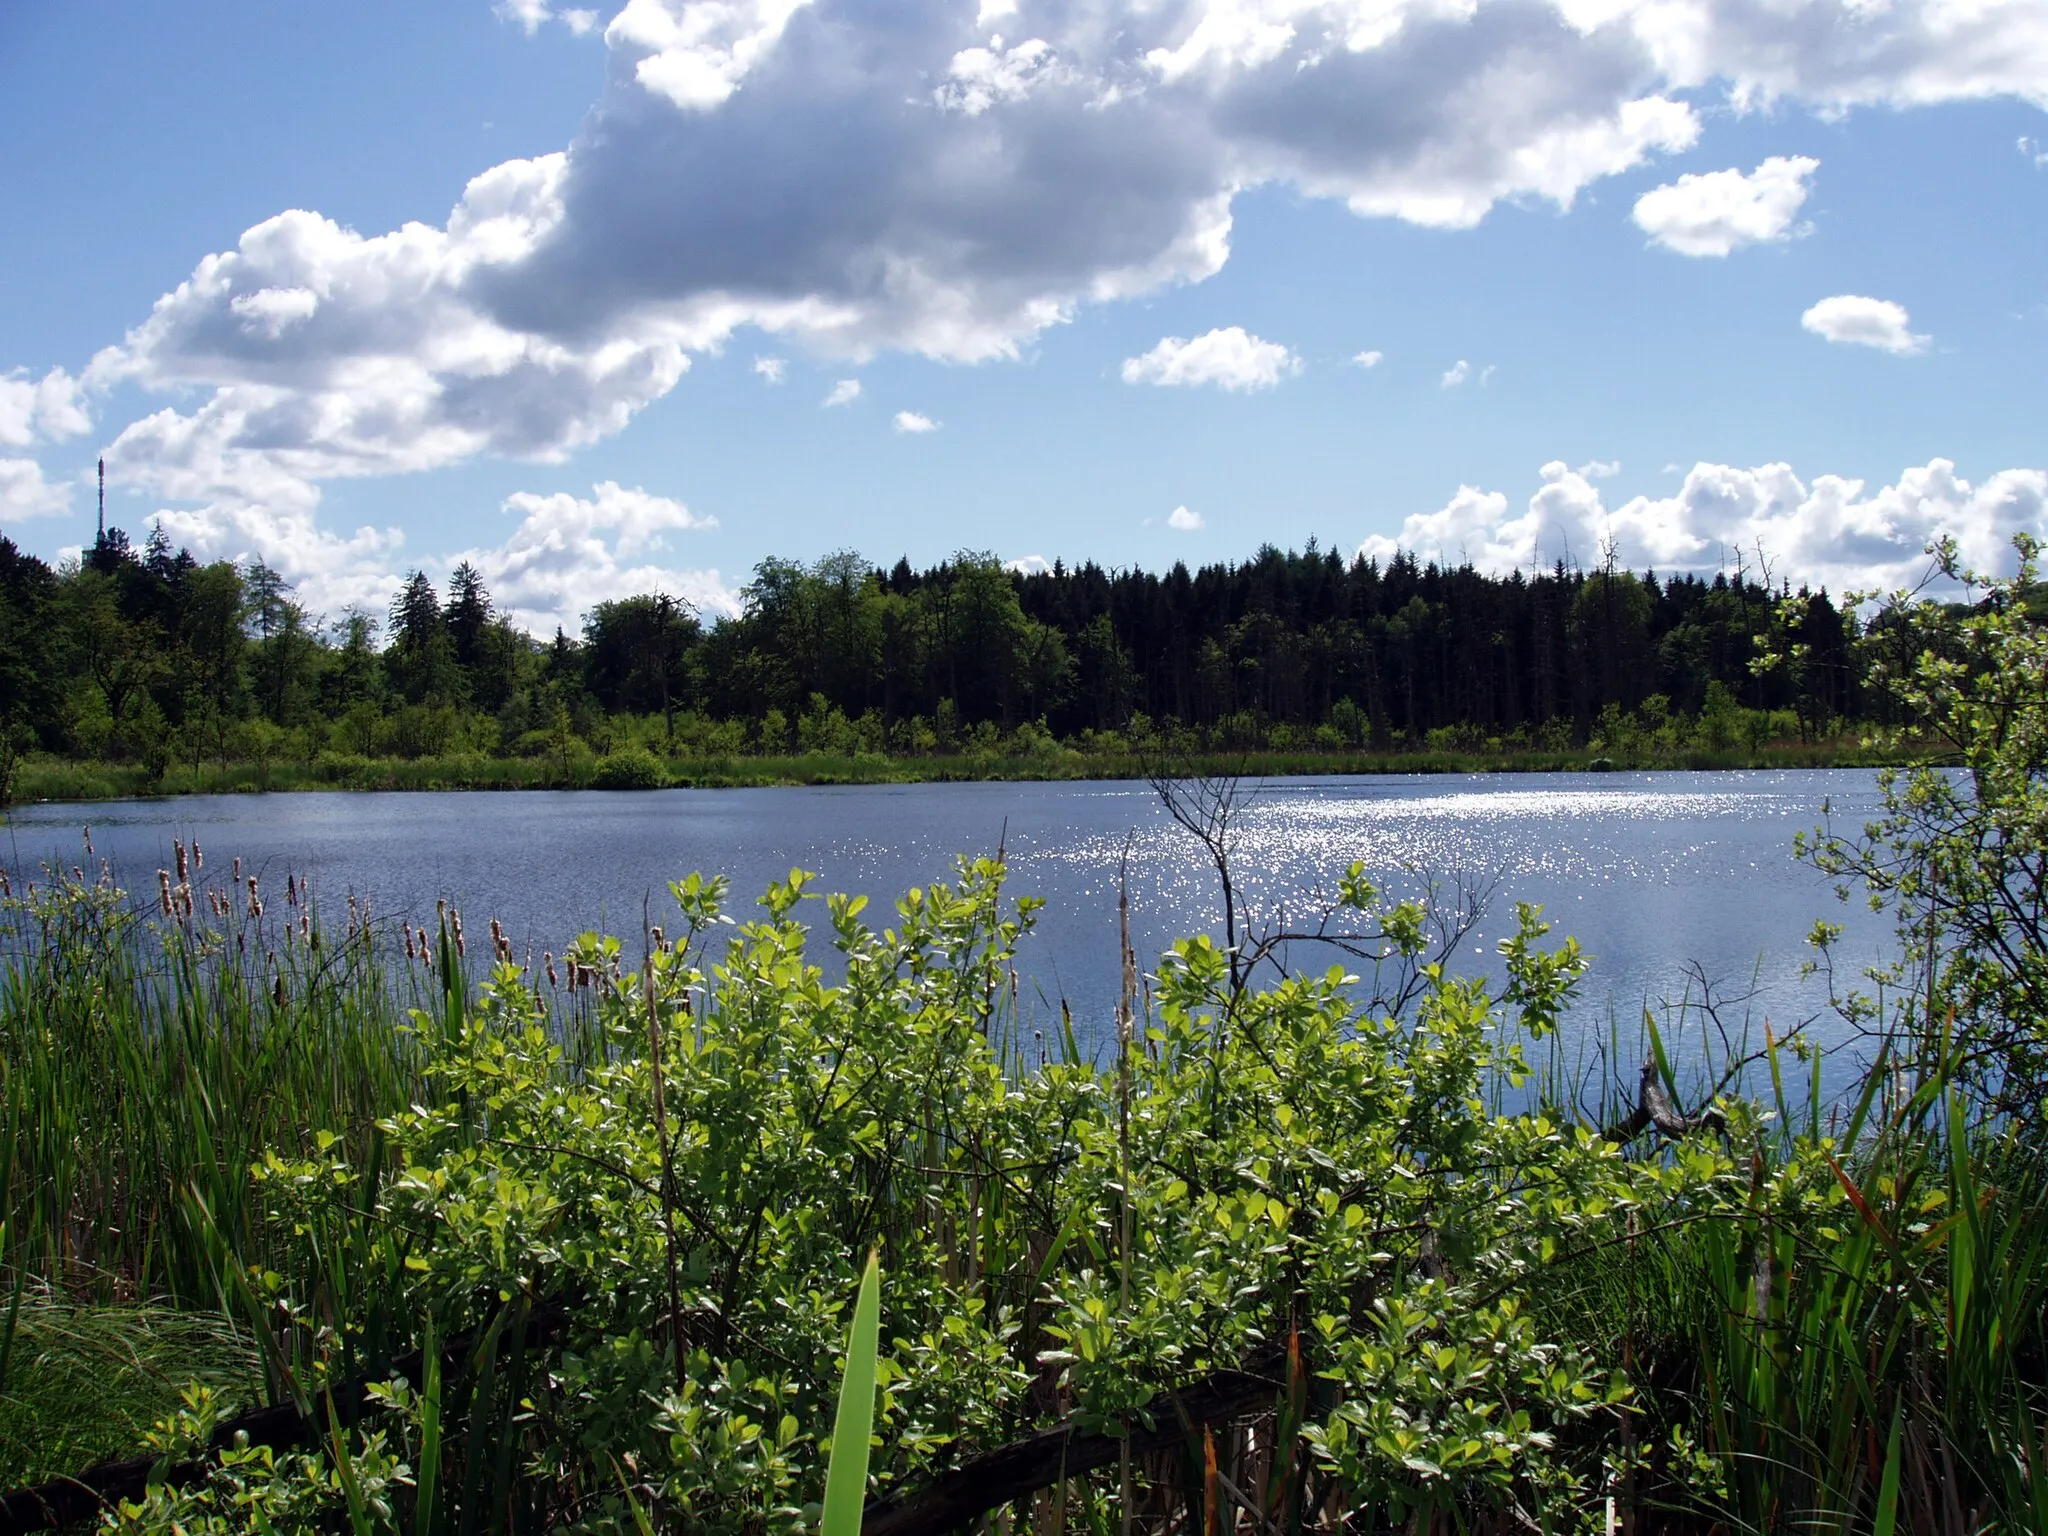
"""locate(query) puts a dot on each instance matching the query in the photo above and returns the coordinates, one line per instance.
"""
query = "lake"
(1652, 872)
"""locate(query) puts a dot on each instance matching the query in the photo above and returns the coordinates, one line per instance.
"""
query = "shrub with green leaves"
(630, 768)
(658, 1249)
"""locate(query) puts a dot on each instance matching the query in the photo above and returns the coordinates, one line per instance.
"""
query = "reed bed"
(276, 1147)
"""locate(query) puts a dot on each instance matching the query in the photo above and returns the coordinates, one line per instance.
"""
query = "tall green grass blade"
(641, 1523)
(846, 1475)
(1887, 1515)
(427, 1476)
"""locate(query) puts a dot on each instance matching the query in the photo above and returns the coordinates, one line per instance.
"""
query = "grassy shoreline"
(46, 780)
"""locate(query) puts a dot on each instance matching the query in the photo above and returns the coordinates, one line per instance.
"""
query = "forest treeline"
(149, 657)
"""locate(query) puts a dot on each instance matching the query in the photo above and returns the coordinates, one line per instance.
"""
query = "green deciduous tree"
(1960, 853)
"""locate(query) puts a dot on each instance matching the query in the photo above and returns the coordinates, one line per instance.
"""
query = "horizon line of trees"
(150, 656)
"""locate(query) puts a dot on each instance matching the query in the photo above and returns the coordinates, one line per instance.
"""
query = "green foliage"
(1960, 852)
(354, 1483)
(634, 768)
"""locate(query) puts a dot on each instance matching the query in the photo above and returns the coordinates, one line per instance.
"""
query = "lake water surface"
(1651, 872)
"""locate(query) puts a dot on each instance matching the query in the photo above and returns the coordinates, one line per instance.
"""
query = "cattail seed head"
(163, 886)
(549, 957)
(179, 849)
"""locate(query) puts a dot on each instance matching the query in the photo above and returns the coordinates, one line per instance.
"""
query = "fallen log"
(982, 1483)
(1654, 1108)
(1006, 1474)
(63, 1502)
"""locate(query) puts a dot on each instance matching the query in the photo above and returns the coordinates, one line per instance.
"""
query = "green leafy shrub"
(631, 768)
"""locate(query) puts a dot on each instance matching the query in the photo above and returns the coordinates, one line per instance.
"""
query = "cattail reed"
(163, 889)
(549, 957)
(184, 869)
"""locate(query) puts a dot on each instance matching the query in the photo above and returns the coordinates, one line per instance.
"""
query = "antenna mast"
(103, 501)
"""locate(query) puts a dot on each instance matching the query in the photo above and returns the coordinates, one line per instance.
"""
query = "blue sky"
(356, 288)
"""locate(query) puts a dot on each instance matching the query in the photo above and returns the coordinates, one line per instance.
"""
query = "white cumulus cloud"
(845, 392)
(1368, 359)
(332, 571)
(1858, 321)
(566, 554)
(1834, 531)
(771, 368)
(911, 421)
(981, 78)
(1457, 374)
(49, 409)
(532, 15)
(1184, 521)
(696, 53)
(570, 553)
(1715, 213)
(24, 493)
(1230, 358)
